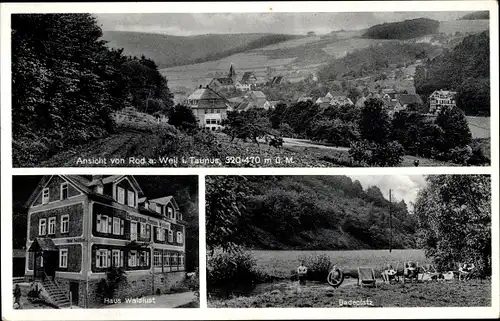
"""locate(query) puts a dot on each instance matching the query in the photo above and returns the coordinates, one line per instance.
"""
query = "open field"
(280, 263)
(429, 294)
(480, 127)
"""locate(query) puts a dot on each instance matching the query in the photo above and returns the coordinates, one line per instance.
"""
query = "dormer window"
(158, 208)
(45, 195)
(64, 191)
(100, 189)
(171, 213)
(131, 198)
(121, 195)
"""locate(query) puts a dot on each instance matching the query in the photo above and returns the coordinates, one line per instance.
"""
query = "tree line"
(374, 138)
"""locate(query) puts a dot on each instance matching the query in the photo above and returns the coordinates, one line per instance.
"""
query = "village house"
(226, 84)
(324, 102)
(243, 87)
(304, 99)
(360, 103)
(248, 78)
(278, 80)
(253, 99)
(208, 107)
(80, 226)
(271, 104)
(340, 101)
(441, 99)
(408, 99)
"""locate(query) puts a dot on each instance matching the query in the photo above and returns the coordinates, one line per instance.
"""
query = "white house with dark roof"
(440, 99)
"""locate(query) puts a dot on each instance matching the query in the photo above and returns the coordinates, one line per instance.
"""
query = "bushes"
(230, 271)
(373, 154)
(114, 278)
(318, 266)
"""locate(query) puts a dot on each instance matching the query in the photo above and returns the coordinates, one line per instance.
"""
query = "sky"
(186, 24)
(403, 186)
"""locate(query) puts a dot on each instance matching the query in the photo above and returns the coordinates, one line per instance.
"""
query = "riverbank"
(473, 293)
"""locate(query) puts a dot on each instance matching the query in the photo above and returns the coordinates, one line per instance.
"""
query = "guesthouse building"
(82, 226)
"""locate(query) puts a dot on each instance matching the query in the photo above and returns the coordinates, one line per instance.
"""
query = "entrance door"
(50, 263)
(73, 288)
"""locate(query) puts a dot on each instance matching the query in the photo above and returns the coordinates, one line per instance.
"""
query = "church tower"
(232, 72)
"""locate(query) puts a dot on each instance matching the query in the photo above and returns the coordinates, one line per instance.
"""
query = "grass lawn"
(472, 293)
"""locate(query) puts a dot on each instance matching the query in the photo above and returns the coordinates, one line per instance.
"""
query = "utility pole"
(390, 220)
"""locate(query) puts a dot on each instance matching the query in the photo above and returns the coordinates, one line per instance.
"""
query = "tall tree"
(454, 219)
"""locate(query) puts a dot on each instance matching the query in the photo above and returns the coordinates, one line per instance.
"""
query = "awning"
(42, 244)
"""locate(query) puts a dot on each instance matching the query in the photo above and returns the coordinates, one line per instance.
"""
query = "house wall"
(67, 207)
(54, 186)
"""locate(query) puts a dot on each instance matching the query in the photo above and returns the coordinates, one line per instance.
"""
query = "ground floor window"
(63, 258)
(132, 258)
(102, 258)
(157, 258)
(117, 258)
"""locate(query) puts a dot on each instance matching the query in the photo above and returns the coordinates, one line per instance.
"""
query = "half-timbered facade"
(80, 226)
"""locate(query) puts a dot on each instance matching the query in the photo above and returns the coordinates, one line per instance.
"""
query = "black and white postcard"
(250, 160)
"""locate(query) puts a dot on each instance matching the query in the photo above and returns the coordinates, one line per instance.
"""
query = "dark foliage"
(403, 30)
(66, 84)
(478, 15)
(182, 117)
(311, 212)
(466, 69)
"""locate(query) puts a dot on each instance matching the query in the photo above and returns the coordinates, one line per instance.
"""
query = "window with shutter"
(116, 225)
(122, 227)
(98, 223)
(148, 231)
(108, 257)
(110, 225)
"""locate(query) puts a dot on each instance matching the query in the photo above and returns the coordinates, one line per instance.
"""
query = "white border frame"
(203, 312)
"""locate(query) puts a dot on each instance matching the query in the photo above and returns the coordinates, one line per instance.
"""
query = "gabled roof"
(277, 79)
(406, 99)
(321, 100)
(258, 94)
(224, 81)
(301, 99)
(361, 102)
(206, 93)
(246, 76)
(42, 244)
(165, 200)
(83, 184)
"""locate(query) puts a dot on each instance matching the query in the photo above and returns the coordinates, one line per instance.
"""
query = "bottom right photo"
(348, 241)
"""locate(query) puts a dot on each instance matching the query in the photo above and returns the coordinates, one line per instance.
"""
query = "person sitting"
(465, 270)
(410, 270)
(389, 273)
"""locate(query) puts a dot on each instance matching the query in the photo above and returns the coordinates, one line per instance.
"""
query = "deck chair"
(366, 277)
(410, 271)
(390, 272)
(429, 273)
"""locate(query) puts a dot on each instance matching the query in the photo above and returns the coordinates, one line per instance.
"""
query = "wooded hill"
(478, 15)
(321, 213)
(403, 30)
(465, 69)
(170, 51)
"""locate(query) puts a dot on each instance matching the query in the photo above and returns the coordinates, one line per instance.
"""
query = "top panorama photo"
(340, 89)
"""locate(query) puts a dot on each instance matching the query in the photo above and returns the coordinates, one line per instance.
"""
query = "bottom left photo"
(105, 241)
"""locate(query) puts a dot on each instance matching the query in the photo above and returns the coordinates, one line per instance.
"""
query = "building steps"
(59, 297)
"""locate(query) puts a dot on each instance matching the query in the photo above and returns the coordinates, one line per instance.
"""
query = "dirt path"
(120, 145)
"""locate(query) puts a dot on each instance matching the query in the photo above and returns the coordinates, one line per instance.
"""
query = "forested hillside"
(465, 69)
(305, 212)
(478, 15)
(403, 30)
(169, 51)
(372, 60)
(66, 83)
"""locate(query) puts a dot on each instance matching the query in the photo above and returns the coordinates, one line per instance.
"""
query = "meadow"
(472, 293)
(279, 264)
